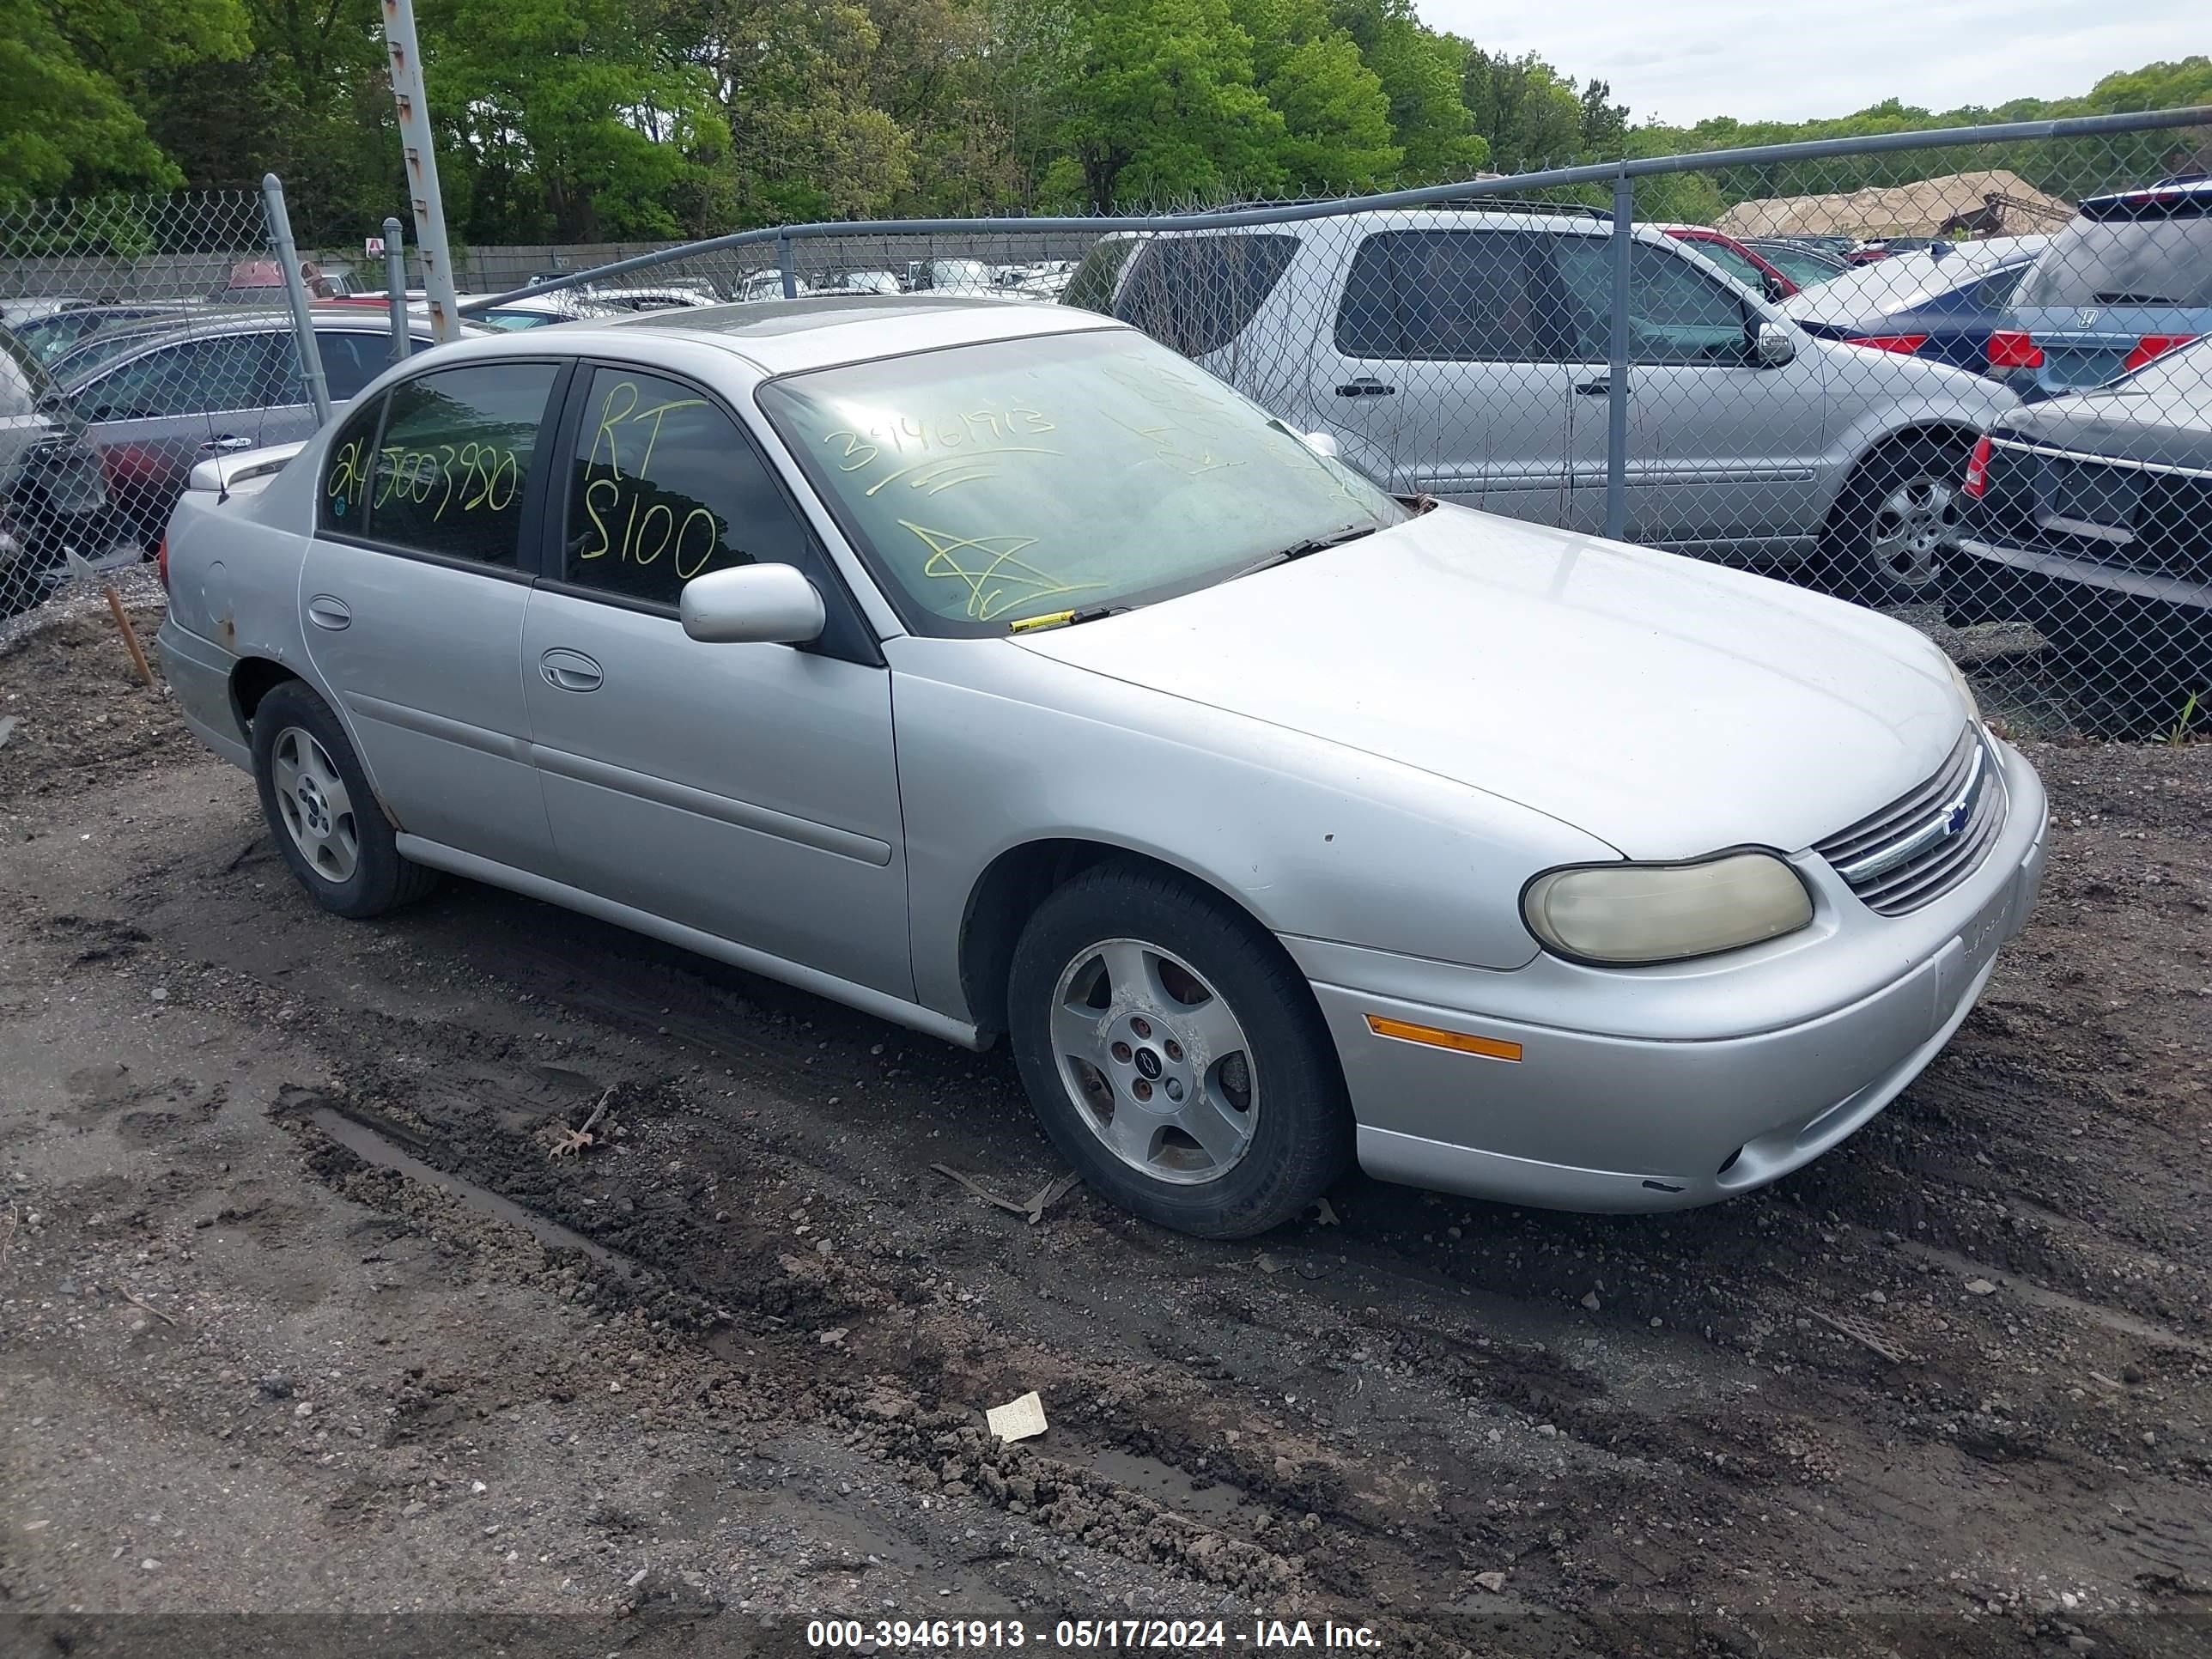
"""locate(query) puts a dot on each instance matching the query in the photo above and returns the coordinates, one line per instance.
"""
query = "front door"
(1439, 374)
(748, 791)
(1723, 455)
(412, 601)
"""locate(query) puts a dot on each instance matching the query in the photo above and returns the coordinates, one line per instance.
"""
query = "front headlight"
(1614, 915)
(1958, 679)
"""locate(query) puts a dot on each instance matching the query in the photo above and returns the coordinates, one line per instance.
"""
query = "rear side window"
(445, 475)
(1441, 295)
(1091, 287)
(2146, 261)
(1195, 294)
(192, 377)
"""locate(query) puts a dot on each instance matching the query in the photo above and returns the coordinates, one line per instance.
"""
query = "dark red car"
(1755, 272)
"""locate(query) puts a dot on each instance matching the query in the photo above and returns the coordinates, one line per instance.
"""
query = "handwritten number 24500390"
(468, 477)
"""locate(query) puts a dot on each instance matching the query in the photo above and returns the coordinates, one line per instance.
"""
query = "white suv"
(1462, 352)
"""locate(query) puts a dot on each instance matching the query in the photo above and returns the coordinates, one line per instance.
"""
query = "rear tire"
(326, 819)
(1174, 1054)
(1884, 539)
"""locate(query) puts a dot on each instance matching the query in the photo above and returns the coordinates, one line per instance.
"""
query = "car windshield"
(2103, 262)
(992, 483)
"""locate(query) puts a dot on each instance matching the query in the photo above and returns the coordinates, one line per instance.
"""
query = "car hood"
(1666, 706)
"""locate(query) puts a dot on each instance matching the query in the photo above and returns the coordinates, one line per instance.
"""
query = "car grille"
(1930, 839)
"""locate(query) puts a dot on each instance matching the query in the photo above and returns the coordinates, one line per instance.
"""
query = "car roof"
(782, 337)
(1561, 219)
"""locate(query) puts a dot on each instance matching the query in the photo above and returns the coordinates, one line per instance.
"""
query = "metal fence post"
(783, 263)
(1617, 385)
(395, 285)
(295, 290)
(419, 145)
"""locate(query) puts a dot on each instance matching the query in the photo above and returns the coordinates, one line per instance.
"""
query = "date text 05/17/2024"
(880, 1635)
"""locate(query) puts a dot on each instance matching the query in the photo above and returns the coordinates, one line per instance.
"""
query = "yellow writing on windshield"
(996, 576)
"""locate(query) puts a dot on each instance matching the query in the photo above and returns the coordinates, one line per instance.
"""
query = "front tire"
(1886, 537)
(1174, 1054)
(326, 819)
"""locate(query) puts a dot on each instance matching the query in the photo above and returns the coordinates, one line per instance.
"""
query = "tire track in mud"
(1393, 1376)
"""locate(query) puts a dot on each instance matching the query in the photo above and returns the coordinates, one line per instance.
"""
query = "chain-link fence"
(1874, 366)
(142, 335)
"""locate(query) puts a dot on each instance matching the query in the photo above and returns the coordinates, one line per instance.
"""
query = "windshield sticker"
(996, 577)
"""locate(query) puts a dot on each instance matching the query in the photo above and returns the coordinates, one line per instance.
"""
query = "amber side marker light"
(1459, 1042)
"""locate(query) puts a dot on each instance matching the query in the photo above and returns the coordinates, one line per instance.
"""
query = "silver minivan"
(1463, 354)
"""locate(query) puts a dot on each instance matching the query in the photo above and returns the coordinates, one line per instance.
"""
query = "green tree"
(1336, 115)
(1421, 71)
(77, 74)
(1160, 104)
(1530, 113)
(573, 117)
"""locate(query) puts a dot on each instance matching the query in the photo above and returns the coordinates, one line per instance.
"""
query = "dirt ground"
(299, 1314)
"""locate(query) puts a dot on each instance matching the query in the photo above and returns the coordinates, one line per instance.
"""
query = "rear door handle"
(225, 443)
(325, 610)
(1596, 389)
(570, 670)
(1366, 386)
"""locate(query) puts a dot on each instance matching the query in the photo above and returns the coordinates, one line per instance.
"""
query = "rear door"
(1723, 455)
(1438, 366)
(413, 594)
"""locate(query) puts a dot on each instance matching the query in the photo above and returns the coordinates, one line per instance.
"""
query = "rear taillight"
(1976, 480)
(2010, 349)
(1904, 343)
(161, 553)
(2154, 345)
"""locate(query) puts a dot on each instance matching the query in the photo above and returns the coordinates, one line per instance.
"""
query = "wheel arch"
(1942, 429)
(1012, 887)
(252, 679)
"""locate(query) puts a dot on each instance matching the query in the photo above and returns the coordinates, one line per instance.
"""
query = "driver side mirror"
(1324, 443)
(752, 604)
(1772, 343)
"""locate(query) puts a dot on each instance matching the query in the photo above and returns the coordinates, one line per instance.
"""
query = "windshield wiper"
(1350, 532)
(1063, 618)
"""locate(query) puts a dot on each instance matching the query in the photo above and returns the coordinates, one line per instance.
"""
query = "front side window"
(995, 483)
(1738, 265)
(1440, 295)
(664, 487)
(446, 475)
(1676, 314)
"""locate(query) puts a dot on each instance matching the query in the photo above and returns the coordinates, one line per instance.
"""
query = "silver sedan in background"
(997, 671)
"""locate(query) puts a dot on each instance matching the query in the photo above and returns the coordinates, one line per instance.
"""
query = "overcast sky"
(1682, 60)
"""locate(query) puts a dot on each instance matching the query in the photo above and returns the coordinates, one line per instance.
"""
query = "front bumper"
(1707, 1084)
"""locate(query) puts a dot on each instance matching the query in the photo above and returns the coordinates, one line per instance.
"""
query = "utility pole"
(415, 138)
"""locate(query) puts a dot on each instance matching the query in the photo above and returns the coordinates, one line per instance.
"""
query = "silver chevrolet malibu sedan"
(997, 671)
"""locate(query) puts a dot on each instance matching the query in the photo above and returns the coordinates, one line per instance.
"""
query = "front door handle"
(1366, 386)
(325, 610)
(570, 670)
(1597, 389)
